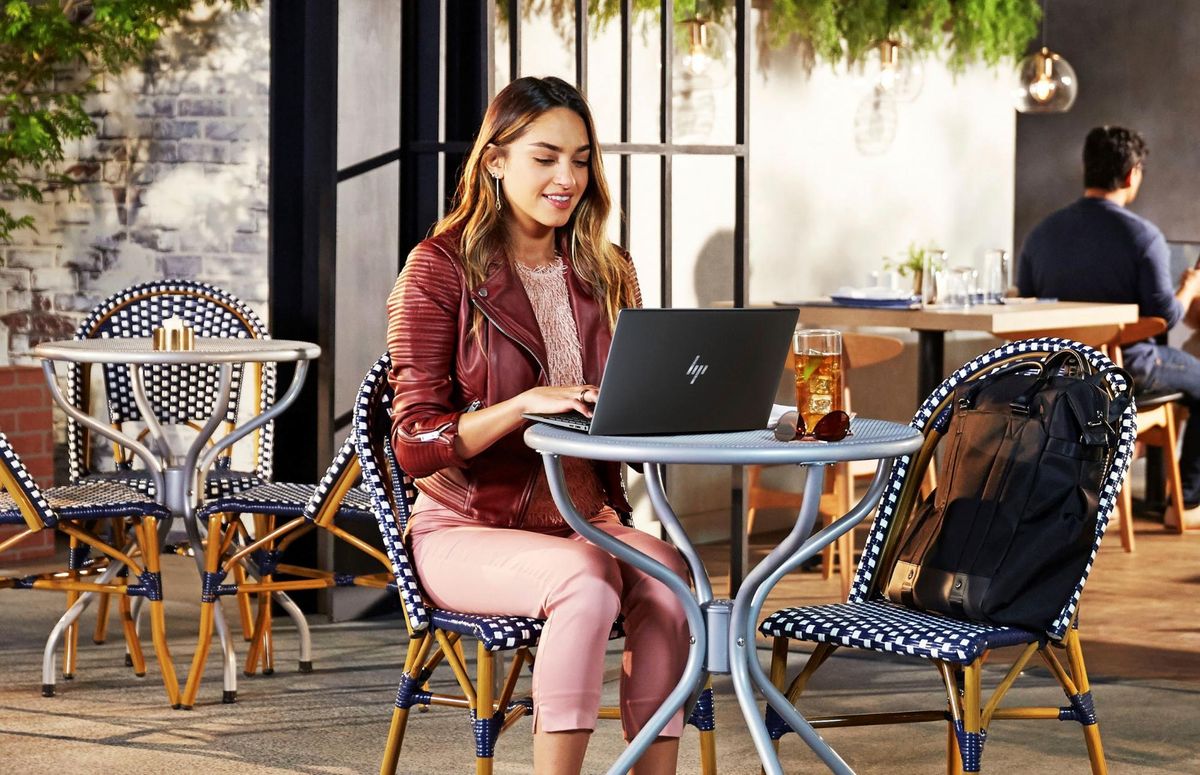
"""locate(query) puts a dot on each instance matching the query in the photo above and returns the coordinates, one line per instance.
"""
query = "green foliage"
(845, 30)
(51, 55)
(913, 261)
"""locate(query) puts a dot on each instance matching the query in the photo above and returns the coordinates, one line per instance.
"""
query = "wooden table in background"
(931, 324)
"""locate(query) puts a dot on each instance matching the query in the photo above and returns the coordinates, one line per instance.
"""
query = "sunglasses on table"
(834, 426)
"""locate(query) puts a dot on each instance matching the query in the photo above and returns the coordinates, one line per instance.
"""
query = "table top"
(992, 318)
(871, 439)
(140, 350)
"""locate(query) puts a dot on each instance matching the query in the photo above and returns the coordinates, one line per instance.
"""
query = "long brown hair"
(483, 232)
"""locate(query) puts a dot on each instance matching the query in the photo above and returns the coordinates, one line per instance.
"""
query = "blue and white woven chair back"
(20, 490)
(324, 488)
(391, 490)
(179, 393)
(1038, 349)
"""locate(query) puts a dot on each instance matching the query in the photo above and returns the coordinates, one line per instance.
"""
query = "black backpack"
(1008, 532)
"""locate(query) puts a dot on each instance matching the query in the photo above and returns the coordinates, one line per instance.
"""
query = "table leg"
(931, 359)
(694, 673)
(743, 650)
(739, 539)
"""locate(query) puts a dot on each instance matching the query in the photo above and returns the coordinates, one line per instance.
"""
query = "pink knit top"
(547, 290)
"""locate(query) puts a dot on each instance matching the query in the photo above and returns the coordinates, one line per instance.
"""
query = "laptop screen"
(1183, 256)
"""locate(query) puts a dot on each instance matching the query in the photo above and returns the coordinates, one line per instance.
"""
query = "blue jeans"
(1176, 370)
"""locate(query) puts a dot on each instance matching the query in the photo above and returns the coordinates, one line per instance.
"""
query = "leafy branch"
(834, 31)
(51, 57)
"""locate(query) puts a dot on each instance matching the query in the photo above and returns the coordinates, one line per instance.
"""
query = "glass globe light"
(705, 50)
(875, 122)
(901, 73)
(1046, 83)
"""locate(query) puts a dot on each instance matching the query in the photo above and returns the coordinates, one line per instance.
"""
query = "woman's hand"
(480, 429)
(559, 398)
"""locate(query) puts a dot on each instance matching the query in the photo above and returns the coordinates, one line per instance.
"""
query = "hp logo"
(696, 369)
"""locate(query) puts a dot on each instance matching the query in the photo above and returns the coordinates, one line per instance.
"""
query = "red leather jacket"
(440, 370)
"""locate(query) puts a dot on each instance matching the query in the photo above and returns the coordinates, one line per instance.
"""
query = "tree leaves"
(40, 110)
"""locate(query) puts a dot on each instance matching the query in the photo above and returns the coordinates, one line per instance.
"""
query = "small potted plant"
(910, 263)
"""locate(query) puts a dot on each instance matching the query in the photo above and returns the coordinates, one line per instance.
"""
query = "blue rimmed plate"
(861, 301)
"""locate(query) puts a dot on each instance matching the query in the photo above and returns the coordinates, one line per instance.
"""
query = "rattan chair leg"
(208, 602)
(243, 603)
(953, 757)
(148, 535)
(258, 633)
(972, 738)
(133, 645)
(1174, 481)
(485, 741)
(1091, 730)
(418, 647)
(100, 634)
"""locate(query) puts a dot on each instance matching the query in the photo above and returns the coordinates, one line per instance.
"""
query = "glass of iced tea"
(818, 373)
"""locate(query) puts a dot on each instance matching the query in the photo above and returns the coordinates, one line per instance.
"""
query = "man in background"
(1095, 249)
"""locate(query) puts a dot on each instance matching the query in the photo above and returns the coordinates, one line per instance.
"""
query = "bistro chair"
(183, 394)
(956, 648)
(436, 635)
(312, 506)
(1157, 416)
(858, 351)
(75, 510)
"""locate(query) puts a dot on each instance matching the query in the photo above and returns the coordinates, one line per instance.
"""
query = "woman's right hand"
(554, 399)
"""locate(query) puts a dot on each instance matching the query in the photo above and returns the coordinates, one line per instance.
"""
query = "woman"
(507, 309)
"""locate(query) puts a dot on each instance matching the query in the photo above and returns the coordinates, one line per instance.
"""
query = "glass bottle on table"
(935, 262)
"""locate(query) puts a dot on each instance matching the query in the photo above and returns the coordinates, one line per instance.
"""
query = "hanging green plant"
(835, 31)
(51, 55)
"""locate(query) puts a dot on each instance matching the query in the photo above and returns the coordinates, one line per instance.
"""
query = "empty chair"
(436, 635)
(312, 506)
(183, 394)
(958, 648)
(76, 511)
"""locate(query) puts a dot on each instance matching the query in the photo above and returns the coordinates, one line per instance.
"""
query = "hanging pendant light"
(1046, 82)
(705, 50)
(901, 73)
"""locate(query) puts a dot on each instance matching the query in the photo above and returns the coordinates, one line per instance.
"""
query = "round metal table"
(723, 631)
(178, 472)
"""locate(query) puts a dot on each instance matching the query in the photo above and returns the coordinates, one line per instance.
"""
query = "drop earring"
(496, 178)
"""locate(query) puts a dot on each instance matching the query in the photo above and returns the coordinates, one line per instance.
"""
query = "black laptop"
(688, 371)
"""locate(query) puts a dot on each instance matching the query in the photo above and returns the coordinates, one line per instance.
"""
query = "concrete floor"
(1140, 638)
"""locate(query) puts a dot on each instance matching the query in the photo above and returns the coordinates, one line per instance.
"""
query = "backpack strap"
(1050, 368)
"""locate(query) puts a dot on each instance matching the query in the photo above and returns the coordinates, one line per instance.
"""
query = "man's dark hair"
(1109, 154)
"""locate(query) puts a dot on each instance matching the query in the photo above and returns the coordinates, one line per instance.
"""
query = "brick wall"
(173, 185)
(25, 418)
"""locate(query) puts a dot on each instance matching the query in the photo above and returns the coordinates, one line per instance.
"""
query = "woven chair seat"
(220, 484)
(95, 500)
(287, 499)
(500, 633)
(879, 625)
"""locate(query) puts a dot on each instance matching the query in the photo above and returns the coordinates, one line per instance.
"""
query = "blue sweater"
(1095, 250)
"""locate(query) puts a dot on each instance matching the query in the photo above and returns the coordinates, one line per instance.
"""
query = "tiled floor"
(1139, 623)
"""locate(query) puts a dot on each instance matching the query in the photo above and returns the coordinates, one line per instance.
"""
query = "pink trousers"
(578, 589)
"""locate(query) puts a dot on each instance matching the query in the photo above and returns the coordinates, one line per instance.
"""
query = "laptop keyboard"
(574, 420)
